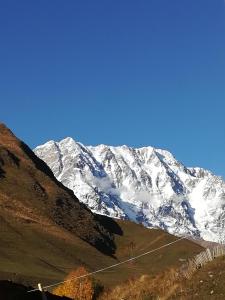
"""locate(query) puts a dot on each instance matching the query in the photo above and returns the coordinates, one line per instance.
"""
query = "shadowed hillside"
(13, 291)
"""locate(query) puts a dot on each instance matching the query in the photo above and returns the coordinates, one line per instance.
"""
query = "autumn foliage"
(77, 289)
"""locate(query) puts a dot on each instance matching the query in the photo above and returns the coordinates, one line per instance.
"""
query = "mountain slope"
(28, 185)
(145, 185)
(206, 283)
(45, 232)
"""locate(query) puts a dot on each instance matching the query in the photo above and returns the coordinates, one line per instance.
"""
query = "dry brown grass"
(207, 282)
(161, 286)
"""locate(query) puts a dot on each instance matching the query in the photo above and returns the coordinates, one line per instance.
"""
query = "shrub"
(77, 289)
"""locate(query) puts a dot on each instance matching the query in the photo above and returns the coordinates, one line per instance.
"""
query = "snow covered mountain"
(145, 185)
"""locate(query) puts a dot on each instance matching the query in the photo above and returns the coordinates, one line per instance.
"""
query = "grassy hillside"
(34, 253)
(137, 239)
(45, 232)
(29, 192)
(207, 283)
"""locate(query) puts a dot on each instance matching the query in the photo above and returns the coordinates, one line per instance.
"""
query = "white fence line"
(201, 259)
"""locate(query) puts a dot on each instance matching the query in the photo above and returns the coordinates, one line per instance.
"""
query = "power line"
(112, 266)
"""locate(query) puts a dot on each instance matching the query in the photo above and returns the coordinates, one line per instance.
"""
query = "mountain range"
(46, 232)
(145, 185)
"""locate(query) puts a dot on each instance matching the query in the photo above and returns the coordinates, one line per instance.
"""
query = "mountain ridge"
(46, 232)
(146, 185)
(29, 185)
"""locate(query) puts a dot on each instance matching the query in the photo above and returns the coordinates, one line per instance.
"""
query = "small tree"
(77, 289)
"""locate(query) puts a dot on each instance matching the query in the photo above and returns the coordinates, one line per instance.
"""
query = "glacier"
(145, 185)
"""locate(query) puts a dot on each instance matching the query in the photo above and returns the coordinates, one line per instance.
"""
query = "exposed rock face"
(146, 185)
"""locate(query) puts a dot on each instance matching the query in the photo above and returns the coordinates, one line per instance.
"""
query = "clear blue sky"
(148, 72)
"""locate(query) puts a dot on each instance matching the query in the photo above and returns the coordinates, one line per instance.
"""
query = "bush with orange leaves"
(79, 289)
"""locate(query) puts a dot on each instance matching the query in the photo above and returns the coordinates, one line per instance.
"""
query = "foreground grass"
(206, 283)
(32, 253)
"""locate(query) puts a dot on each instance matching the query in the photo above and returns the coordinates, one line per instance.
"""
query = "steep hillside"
(145, 185)
(45, 232)
(30, 193)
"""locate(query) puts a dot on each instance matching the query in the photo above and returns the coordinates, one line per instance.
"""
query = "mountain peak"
(146, 185)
